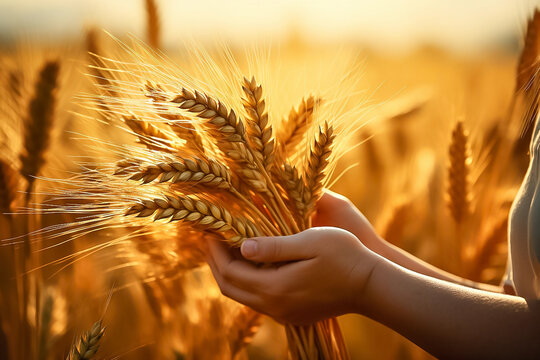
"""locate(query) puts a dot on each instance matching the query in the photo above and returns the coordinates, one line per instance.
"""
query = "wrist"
(371, 264)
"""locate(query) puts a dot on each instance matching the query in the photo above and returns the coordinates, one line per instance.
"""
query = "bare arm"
(305, 280)
(452, 321)
(336, 210)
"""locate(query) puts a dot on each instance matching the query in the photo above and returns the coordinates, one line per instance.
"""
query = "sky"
(399, 24)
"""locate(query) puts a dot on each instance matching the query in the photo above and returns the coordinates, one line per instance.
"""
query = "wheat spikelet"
(149, 135)
(200, 171)
(198, 213)
(39, 121)
(182, 126)
(126, 166)
(293, 185)
(8, 187)
(245, 326)
(458, 194)
(88, 344)
(528, 60)
(230, 133)
(295, 127)
(153, 24)
(260, 134)
(314, 172)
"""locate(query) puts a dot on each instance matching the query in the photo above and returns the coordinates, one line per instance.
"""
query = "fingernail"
(249, 248)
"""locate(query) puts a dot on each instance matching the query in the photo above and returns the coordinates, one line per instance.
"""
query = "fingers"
(228, 289)
(239, 273)
(281, 248)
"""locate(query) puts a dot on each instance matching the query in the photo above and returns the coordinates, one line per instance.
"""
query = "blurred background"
(433, 78)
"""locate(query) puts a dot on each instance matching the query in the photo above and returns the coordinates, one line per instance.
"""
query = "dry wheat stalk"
(260, 134)
(153, 24)
(198, 213)
(88, 344)
(39, 121)
(459, 197)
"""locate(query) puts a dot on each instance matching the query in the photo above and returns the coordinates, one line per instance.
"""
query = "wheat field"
(119, 156)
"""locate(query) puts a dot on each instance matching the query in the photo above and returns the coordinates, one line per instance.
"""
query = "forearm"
(448, 320)
(403, 258)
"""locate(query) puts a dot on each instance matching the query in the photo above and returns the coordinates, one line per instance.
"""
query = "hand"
(313, 275)
(338, 211)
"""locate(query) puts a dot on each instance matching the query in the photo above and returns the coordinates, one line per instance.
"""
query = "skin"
(303, 280)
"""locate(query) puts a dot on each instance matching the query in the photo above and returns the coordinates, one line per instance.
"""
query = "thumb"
(280, 248)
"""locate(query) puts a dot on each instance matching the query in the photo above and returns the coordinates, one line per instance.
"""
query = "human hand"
(309, 276)
(338, 211)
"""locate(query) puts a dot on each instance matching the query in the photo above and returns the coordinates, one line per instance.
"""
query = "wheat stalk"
(260, 134)
(88, 344)
(39, 121)
(459, 197)
(198, 213)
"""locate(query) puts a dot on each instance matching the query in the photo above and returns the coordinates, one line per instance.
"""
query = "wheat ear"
(314, 172)
(488, 248)
(182, 126)
(149, 135)
(230, 133)
(294, 129)
(88, 344)
(198, 213)
(260, 134)
(153, 24)
(459, 197)
(206, 172)
(39, 121)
